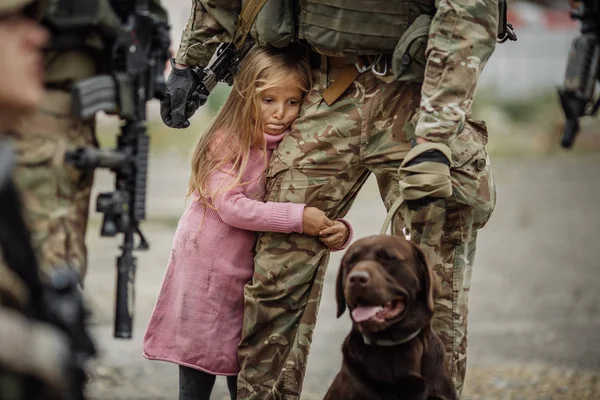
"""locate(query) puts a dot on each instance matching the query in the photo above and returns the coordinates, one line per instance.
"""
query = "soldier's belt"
(351, 68)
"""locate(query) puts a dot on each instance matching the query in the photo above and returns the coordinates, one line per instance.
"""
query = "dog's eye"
(353, 258)
(383, 255)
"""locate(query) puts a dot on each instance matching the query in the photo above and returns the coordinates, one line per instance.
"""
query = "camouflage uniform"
(55, 194)
(324, 162)
(28, 348)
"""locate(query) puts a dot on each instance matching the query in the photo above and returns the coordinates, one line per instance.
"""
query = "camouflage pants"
(324, 162)
(55, 195)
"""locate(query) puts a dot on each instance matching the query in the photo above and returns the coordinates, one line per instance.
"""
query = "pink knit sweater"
(197, 318)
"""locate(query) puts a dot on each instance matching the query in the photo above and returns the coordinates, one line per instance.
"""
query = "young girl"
(197, 319)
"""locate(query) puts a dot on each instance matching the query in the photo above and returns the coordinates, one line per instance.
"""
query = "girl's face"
(21, 66)
(279, 107)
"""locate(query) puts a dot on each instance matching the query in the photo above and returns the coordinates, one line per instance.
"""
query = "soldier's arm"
(211, 22)
(461, 40)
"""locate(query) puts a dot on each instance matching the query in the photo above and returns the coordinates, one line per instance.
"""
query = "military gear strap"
(505, 29)
(417, 181)
(248, 14)
(339, 86)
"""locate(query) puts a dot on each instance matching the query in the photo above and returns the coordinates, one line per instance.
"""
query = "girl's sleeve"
(350, 235)
(237, 210)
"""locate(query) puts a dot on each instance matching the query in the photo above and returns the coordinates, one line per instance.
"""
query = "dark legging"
(197, 385)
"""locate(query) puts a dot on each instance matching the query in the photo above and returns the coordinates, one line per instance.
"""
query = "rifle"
(577, 94)
(57, 301)
(222, 67)
(138, 54)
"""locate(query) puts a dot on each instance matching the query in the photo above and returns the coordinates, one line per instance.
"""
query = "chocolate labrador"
(392, 353)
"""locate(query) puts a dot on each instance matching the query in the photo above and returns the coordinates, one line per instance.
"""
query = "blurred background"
(535, 304)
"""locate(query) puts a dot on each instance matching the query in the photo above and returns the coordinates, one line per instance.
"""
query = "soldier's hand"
(425, 175)
(181, 98)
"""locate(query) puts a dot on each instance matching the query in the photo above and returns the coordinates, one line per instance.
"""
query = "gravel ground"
(534, 308)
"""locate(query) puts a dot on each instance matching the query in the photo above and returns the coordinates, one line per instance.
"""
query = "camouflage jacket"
(461, 40)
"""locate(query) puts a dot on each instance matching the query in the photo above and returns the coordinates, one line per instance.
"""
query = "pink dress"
(197, 319)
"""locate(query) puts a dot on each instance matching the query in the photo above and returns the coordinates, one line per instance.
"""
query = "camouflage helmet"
(12, 6)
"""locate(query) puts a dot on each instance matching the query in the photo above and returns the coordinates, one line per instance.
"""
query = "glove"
(425, 175)
(181, 97)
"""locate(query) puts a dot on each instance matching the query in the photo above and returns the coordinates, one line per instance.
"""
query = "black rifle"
(577, 94)
(138, 56)
(57, 301)
(222, 67)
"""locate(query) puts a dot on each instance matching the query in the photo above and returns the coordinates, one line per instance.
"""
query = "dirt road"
(535, 303)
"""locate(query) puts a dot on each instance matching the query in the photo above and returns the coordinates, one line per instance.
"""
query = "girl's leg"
(195, 384)
(232, 386)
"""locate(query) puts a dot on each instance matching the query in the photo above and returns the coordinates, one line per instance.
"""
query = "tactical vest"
(365, 27)
(346, 27)
(79, 30)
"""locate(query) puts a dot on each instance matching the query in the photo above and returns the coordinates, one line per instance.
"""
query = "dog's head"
(385, 281)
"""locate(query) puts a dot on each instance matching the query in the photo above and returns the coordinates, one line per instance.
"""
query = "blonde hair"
(238, 126)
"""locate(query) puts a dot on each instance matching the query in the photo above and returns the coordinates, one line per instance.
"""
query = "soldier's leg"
(447, 231)
(55, 195)
(388, 144)
(317, 164)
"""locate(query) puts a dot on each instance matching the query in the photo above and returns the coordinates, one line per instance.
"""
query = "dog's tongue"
(363, 313)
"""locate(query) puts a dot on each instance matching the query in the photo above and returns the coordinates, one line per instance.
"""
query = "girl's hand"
(334, 236)
(314, 221)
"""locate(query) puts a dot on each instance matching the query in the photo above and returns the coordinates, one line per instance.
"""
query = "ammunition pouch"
(274, 24)
(408, 59)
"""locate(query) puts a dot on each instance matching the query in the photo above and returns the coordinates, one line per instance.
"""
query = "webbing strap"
(247, 16)
(339, 86)
(426, 179)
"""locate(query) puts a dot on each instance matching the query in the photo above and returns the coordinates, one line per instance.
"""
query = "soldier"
(393, 87)
(55, 194)
(28, 350)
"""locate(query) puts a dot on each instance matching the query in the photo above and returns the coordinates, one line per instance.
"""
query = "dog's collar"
(385, 342)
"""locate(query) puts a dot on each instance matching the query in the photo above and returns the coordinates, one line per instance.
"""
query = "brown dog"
(391, 353)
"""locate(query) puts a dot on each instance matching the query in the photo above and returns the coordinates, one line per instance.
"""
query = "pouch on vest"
(408, 59)
(274, 23)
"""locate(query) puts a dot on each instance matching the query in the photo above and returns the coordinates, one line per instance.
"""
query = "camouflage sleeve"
(461, 40)
(211, 22)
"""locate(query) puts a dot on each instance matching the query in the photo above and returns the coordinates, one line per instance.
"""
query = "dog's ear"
(430, 284)
(339, 290)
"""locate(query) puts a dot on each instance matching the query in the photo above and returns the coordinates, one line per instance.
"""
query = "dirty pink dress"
(197, 319)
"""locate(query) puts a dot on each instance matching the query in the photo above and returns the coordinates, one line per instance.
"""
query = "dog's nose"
(359, 278)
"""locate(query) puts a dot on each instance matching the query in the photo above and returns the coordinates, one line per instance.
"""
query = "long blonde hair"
(238, 126)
